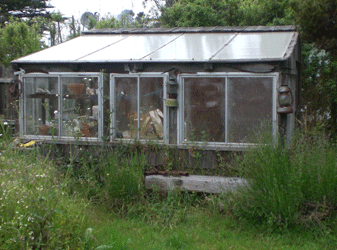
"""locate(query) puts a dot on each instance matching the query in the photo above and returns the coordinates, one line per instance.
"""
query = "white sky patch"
(77, 7)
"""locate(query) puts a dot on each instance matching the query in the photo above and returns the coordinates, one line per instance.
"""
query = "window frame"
(112, 128)
(60, 75)
(181, 128)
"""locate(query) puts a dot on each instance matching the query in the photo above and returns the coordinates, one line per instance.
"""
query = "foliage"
(43, 206)
(54, 27)
(289, 186)
(18, 39)
(318, 89)
(75, 29)
(201, 13)
(264, 12)
(190, 13)
(5, 133)
(105, 23)
(124, 21)
(112, 180)
(23, 8)
(317, 22)
(36, 211)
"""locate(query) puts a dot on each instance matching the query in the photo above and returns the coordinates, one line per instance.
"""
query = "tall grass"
(94, 198)
(115, 182)
(291, 185)
(112, 179)
(36, 210)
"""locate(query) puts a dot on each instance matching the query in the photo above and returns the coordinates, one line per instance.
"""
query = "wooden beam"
(197, 183)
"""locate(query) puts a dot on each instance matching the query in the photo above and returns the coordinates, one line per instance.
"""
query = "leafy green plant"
(113, 179)
(36, 209)
(285, 182)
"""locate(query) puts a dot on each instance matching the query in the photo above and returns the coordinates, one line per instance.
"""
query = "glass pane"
(151, 108)
(79, 106)
(204, 109)
(126, 107)
(41, 106)
(250, 107)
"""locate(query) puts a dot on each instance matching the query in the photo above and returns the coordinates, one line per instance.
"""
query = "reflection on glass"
(41, 106)
(126, 107)
(151, 108)
(204, 109)
(249, 107)
(139, 115)
(79, 106)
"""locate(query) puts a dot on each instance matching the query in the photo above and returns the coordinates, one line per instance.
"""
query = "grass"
(291, 186)
(203, 230)
(101, 203)
(36, 211)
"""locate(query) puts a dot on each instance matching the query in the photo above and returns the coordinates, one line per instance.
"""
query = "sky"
(77, 7)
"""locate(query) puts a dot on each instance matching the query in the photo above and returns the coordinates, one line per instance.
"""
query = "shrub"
(289, 185)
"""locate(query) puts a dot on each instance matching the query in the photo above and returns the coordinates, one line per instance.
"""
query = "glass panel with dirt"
(126, 100)
(41, 105)
(79, 106)
(250, 105)
(204, 109)
(151, 108)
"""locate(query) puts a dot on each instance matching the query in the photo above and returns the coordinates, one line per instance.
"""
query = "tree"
(35, 13)
(317, 21)
(194, 13)
(23, 8)
(107, 22)
(18, 39)
(266, 12)
(54, 28)
(124, 20)
(227, 12)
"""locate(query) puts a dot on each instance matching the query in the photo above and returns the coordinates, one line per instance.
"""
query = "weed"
(97, 200)
(5, 132)
(284, 180)
(36, 211)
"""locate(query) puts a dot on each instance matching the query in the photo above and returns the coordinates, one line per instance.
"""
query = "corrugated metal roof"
(211, 44)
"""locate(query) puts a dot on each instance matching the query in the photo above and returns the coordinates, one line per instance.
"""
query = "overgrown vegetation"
(37, 211)
(292, 186)
(98, 200)
(17, 39)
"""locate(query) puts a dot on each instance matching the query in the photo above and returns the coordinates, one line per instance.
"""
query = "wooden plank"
(173, 125)
(197, 183)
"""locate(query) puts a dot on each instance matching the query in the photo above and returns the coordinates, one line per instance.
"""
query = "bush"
(290, 185)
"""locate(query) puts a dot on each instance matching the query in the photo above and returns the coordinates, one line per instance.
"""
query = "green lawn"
(199, 230)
